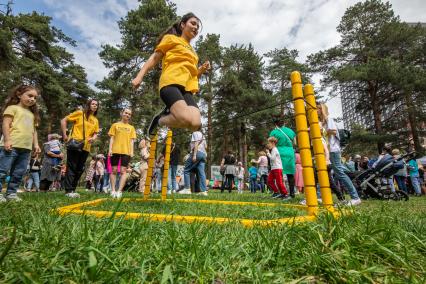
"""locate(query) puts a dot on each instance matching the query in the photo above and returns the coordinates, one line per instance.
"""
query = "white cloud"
(308, 26)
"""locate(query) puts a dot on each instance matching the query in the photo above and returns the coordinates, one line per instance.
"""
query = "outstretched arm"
(204, 68)
(149, 64)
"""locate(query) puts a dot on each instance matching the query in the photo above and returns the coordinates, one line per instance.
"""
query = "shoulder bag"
(74, 144)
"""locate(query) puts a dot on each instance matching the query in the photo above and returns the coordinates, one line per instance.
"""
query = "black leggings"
(99, 181)
(290, 179)
(228, 181)
(75, 167)
(45, 185)
(173, 93)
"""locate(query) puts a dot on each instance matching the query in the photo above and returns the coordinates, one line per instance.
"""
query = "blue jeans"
(34, 178)
(106, 180)
(253, 184)
(400, 180)
(158, 179)
(199, 165)
(416, 184)
(13, 163)
(171, 181)
(339, 171)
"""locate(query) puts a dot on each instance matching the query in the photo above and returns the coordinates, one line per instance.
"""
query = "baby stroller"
(374, 182)
(132, 182)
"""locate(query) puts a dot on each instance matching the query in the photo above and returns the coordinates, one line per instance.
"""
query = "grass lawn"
(381, 242)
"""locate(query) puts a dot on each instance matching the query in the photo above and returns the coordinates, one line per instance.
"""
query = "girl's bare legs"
(123, 178)
(182, 116)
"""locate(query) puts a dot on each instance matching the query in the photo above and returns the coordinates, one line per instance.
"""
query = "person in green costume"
(286, 140)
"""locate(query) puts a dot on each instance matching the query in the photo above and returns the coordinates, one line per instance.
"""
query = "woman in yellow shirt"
(76, 159)
(179, 76)
(122, 137)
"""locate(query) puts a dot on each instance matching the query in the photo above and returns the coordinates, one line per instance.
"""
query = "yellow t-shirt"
(22, 130)
(123, 134)
(91, 126)
(179, 63)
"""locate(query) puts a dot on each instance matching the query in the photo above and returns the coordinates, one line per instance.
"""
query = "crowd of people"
(276, 165)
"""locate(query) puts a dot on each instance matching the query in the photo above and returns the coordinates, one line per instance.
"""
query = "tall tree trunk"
(282, 94)
(244, 160)
(239, 146)
(209, 128)
(377, 115)
(412, 121)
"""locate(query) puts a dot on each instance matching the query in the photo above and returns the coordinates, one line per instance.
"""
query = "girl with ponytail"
(179, 76)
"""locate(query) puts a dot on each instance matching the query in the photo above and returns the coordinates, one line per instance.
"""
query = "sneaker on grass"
(285, 197)
(276, 195)
(118, 194)
(72, 195)
(303, 202)
(354, 202)
(13, 197)
(185, 191)
(204, 193)
(2, 199)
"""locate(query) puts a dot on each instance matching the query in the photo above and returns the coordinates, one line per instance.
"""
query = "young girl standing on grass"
(179, 75)
(20, 118)
(122, 137)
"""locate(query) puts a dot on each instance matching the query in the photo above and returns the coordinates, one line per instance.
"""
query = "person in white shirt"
(332, 135)
(197, 161)
(275, 177)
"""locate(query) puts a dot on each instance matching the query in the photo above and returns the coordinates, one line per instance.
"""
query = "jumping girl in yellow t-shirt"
(179, 76)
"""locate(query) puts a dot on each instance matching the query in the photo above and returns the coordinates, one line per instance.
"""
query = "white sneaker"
(204, 193)
(13, 197)
(185, 191)
(169, 192)
(2, 199)
(303, 202)
(118, 194)
(113, 194)
(174, 190)
(354, 202)
(72, 195)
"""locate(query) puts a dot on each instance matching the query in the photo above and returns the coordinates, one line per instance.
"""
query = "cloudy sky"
(308, 26)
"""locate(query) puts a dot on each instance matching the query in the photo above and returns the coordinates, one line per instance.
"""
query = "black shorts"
(173, 93)
(125, 160)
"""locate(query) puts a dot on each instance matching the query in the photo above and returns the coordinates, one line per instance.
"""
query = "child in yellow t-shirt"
(122, 138)
(179, 76)
(20, 118)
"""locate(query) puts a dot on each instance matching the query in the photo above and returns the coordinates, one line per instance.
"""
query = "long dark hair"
(13, 99)
(175, 29)
(87, 108)
(278, 120)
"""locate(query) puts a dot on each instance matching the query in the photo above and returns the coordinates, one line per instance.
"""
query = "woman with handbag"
(83, 134)
(286, 140)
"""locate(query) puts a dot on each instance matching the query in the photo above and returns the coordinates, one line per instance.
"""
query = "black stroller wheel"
(399, 195)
